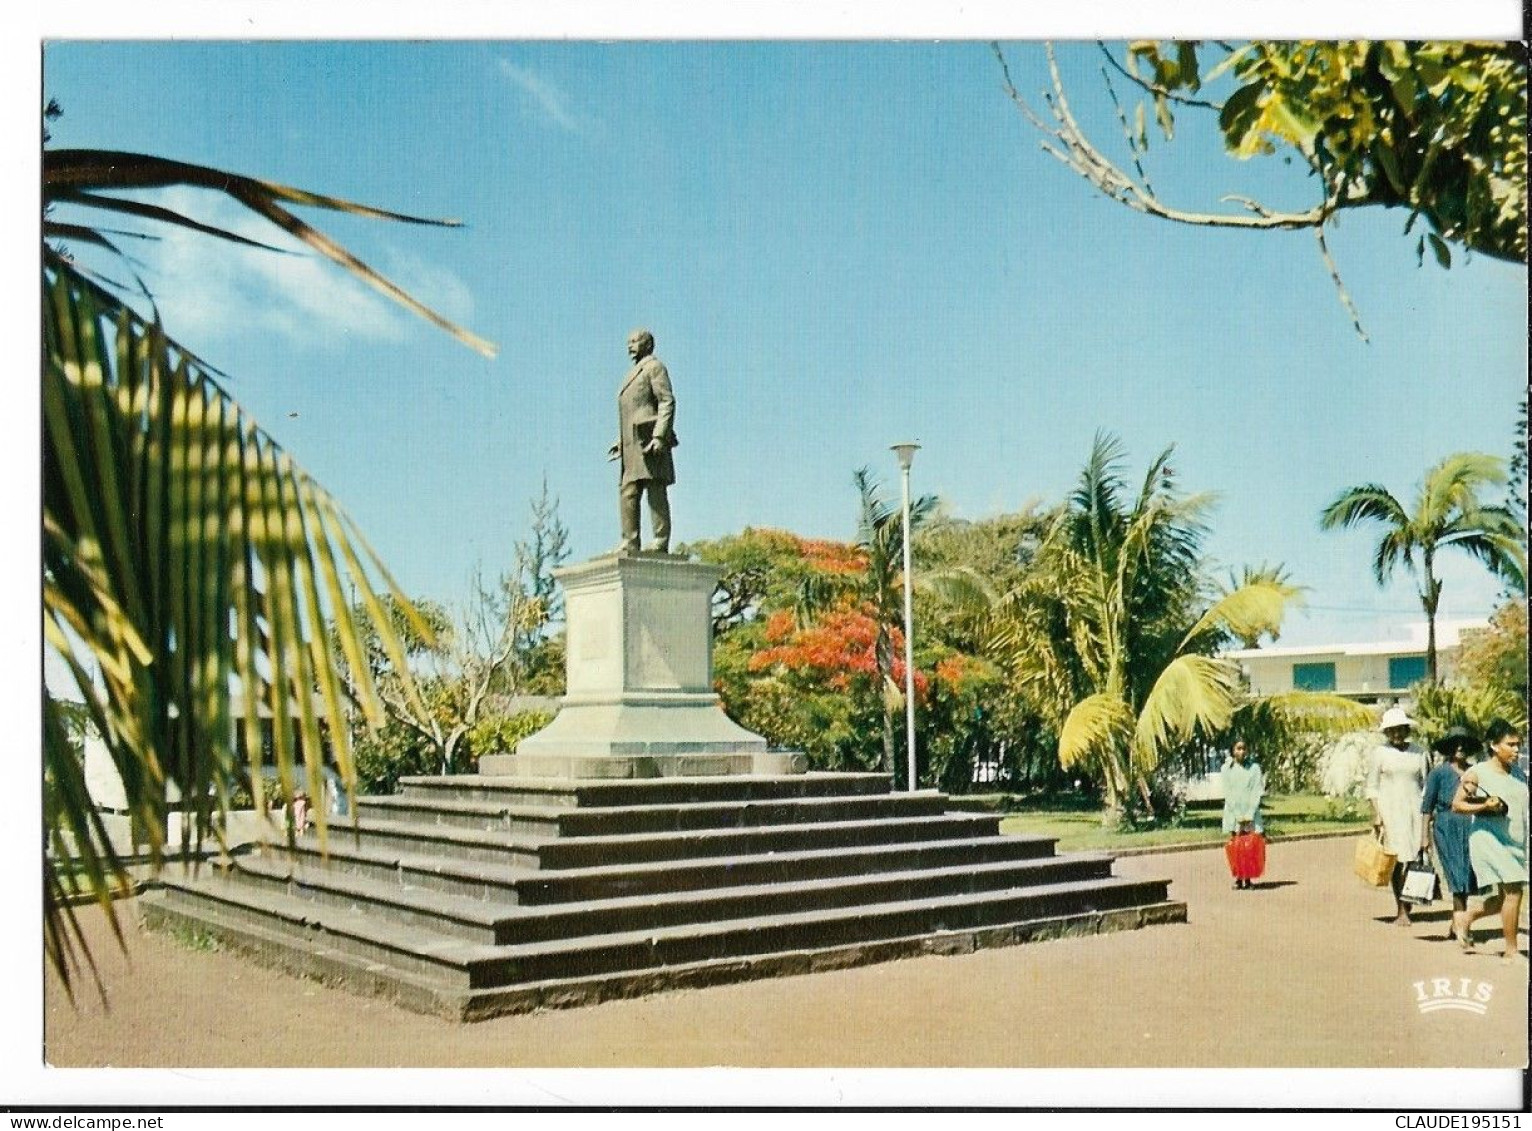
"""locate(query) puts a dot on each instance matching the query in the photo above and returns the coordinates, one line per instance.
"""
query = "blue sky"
(837, 246)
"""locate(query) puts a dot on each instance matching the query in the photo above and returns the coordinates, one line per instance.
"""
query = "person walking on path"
(1497, 843)
(1447, 831)
(1396, 781)
(1243, 787)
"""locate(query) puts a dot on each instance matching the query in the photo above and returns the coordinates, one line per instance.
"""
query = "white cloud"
(548, 98)
(210, 290)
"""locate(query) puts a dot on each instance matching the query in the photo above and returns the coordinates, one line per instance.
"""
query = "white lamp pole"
(906, 454)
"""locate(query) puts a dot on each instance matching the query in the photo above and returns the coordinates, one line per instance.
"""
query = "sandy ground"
(1304, 971)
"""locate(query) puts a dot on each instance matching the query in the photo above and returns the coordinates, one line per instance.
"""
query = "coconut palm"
(1448, 514)
(189, 565)
(1113, 632)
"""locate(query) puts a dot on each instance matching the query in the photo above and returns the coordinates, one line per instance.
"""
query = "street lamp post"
(906, 455)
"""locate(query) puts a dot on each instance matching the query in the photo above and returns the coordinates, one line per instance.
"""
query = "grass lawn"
(1284, 815)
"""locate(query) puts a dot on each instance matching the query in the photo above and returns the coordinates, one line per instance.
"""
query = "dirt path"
(1302, 972)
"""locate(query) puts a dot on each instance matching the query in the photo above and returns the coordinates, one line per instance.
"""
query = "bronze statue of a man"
(646, 412)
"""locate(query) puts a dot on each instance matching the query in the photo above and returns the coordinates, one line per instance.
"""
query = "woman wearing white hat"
(1396, 782)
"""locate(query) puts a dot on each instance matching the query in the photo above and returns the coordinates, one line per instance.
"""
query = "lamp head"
(905, 453)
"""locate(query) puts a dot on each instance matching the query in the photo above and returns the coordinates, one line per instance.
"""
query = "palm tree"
(189, 565)
(1112, 633)
(1448, 513)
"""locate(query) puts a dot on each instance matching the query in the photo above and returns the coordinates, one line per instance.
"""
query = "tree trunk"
(883, 652)
(1430, 599)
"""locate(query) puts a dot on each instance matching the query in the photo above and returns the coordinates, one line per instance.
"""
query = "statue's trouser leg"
(659, 515)
(627, 500)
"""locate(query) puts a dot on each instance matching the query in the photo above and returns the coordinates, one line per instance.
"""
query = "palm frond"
(1097, 725)
(1192, 693)
(1397, 546)
(1369, 502)
(964, 589)
(1292, 713)
(1254, 609)
(71, 172)
(144, 211)
(1454, 483)
(188, 568)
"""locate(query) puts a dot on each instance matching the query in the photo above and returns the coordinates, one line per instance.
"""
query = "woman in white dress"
(1396, 781)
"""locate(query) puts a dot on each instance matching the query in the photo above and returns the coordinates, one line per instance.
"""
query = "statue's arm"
(664, 402)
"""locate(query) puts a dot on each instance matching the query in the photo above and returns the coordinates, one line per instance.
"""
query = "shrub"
(1447, 705)
(499, 734)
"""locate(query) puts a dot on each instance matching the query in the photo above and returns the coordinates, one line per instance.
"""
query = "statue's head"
(640, 344)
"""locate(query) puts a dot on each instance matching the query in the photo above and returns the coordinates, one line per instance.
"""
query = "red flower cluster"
(832, 557)
(964, 673)
(843, 645)
(779, 626)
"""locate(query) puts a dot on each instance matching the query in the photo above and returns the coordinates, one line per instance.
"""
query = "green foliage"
(797, 659)
(1435, 129)
(468, 665)
(1438, 129)
(1110, 634)
(499, 734)
(1516, 469)
(530, 594)
(1077, 830)
(1439, 707)
(1497, 656)
(186, 559)
(1289, 733)
(767, 571)
(391, 752)
(800, 702)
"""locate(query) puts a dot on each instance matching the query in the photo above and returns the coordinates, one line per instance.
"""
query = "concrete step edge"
(298, 916)
(426, 996)
(615, 812)
(472, 871)
(449, 953)
(489, 914)
(482, 1004)
(766, 831)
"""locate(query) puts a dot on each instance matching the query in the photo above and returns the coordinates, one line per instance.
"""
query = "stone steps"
(316, 957)
(448, 965)
(599, 793)
(521, 850)
(503, 923)
(542, 821)
(473, 896)
(530, 886)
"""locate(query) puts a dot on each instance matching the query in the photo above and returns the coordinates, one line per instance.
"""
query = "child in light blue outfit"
(1243, 787)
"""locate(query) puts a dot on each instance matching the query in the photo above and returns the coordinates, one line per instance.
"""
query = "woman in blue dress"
(1497, 843)
(1447, 831)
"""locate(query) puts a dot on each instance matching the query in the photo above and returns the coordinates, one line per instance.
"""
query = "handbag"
(1246, 854)
(1420, 882)
(1373, 863)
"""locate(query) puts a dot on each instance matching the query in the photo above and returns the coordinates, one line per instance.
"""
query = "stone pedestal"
(640, 699)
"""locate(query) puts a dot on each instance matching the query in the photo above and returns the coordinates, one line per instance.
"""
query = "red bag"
(1247, 856)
